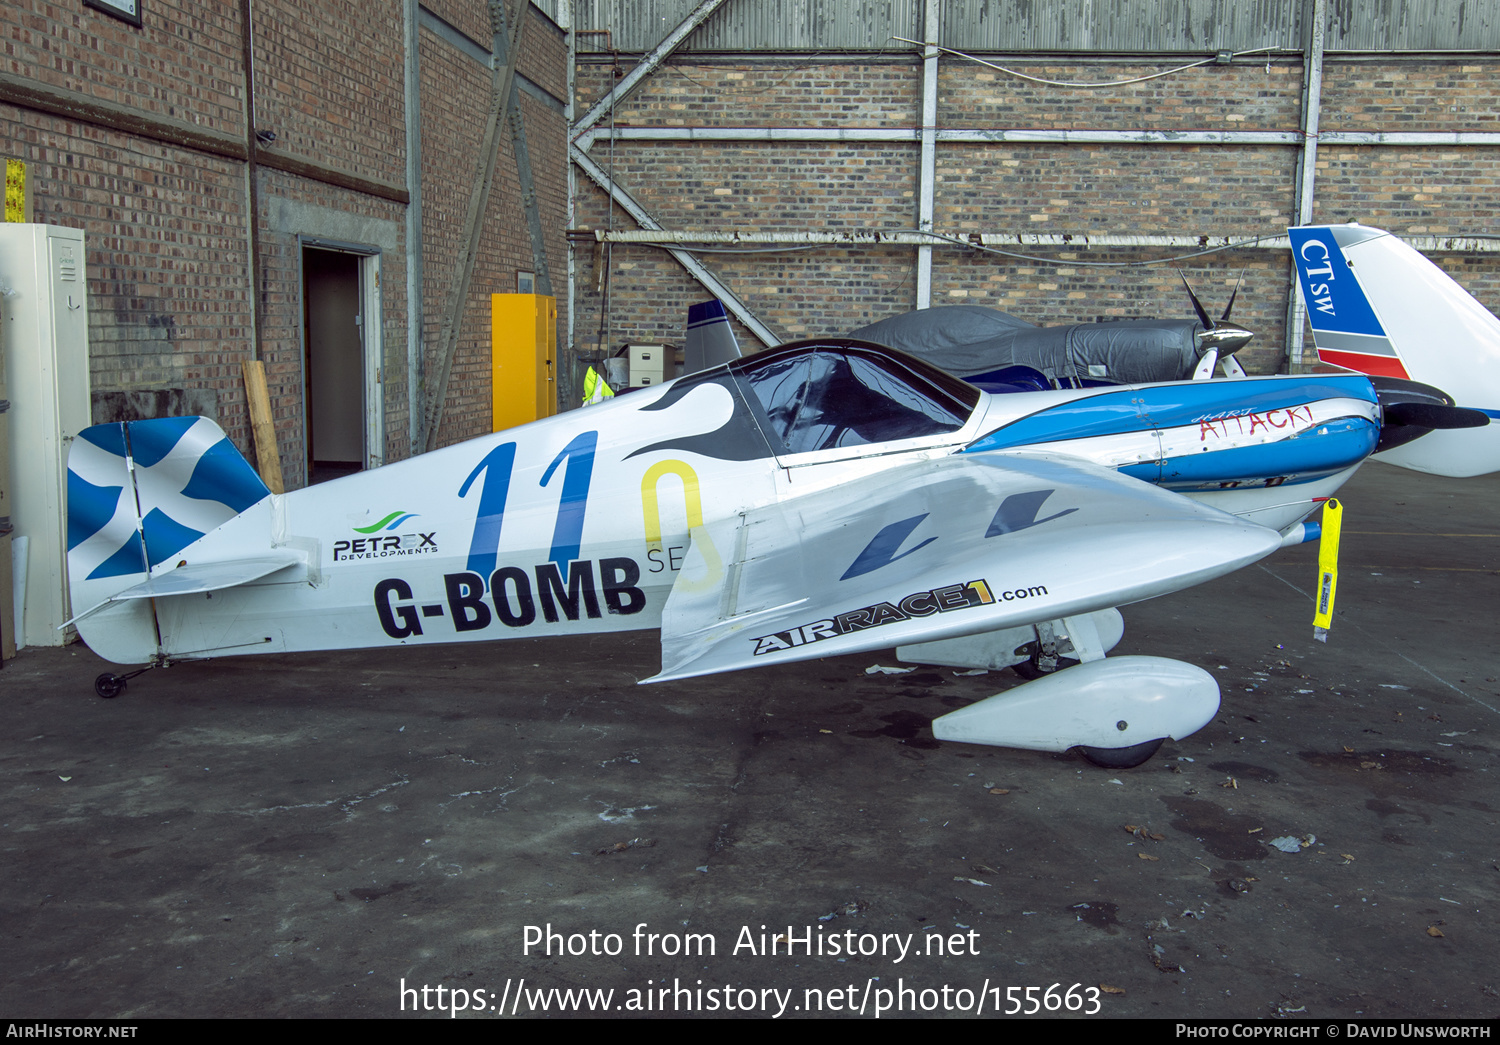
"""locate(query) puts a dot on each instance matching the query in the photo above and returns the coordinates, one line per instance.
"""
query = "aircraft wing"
(937, 549)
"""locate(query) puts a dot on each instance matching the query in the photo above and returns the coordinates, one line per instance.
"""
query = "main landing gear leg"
(1040, 648)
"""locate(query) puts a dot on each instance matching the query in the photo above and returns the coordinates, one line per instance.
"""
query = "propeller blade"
(1230, 307)
(1409, 410)
(1434, 415)
(1208, 324)
(1205, 368)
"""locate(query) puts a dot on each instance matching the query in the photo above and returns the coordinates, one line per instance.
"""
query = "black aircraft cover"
(968, 340)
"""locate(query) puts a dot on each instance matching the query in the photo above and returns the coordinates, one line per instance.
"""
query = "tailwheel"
(109, 685)
(1121, 757)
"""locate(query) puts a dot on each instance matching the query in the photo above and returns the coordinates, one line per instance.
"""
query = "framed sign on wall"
(125, 10)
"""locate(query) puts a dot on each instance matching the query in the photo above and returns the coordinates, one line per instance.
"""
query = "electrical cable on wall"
(1070, 83)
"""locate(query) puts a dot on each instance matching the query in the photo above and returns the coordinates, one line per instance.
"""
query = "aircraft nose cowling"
(1116, 703)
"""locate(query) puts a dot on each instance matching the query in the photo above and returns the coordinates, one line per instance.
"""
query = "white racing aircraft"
(818, 499)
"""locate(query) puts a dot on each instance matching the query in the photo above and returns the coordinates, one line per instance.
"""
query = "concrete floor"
(302, 835)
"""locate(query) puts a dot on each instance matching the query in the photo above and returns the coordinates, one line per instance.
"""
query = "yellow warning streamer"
(1328, 568)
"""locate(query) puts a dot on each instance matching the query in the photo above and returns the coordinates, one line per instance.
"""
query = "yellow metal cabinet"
(523, 358)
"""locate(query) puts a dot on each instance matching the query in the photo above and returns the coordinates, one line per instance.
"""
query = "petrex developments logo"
(390, 522)
(383, 544)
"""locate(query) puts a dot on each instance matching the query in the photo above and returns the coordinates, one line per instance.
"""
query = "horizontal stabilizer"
(198, 578)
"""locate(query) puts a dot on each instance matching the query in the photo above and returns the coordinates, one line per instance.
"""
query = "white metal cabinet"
(45, 320)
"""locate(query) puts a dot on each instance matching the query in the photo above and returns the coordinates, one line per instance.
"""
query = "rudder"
(138, 493)
(710, 339)
(1379, 307)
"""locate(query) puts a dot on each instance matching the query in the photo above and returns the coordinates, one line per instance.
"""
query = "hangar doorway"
(341, 354)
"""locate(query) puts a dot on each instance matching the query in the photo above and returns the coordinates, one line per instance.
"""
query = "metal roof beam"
(927, 165)
(981, 135)
(658, 236)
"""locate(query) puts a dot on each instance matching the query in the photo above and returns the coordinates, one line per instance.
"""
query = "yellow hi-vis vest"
(595, 388)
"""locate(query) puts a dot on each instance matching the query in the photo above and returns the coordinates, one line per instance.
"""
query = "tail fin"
(1379, 307)
(138, 493)
(710, 339)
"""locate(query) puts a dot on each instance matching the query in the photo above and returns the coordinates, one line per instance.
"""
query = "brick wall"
(1229, 190)
(455, 105)
(470, 18)
(166, 218)
(166, 229)
(1244, 96)
(726, 93)
(544, 55)
(1374, 95)
(183, 62)
(328, 82)
(167, 253)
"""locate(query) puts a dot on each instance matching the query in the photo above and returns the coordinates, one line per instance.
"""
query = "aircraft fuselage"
(583, 522)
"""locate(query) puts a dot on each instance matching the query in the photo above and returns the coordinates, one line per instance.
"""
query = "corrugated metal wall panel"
(1414, 25)
(861, 25)
(1103, 26)
(756, 25)
(1089, 26)
(634, 25)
